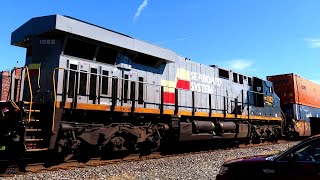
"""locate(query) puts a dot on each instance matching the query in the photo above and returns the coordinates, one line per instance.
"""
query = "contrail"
(141, 7)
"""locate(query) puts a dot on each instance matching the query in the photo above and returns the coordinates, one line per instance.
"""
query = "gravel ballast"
(192, 166)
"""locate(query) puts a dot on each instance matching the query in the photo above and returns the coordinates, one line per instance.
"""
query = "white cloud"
(313, 42)
(139, 10)
(239, 64)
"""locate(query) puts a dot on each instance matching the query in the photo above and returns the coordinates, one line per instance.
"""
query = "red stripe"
(182, 84)
(168, 98)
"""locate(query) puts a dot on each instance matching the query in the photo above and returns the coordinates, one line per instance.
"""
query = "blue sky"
(257, 38)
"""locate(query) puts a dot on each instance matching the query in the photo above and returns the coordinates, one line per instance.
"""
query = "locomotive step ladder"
(34, 135)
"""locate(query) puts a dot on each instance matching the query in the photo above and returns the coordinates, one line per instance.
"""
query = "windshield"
(272, 157)
(281, 153)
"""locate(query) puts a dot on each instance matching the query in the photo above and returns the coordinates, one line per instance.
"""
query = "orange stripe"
(67, 105)
(122, 109)
(217, 115)
(185, 113)
(57, 104)
(230, 116)
(170, 112)
(201, 114)
(147, 110)
(100, 107)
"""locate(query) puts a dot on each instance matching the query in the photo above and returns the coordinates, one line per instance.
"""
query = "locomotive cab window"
(79, 49)
(148, 60)
(223, 74)
(107, 55)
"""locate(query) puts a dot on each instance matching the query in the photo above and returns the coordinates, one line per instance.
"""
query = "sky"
(257, 38)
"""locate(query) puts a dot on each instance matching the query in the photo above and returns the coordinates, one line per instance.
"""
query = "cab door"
(125, 88)
(105, 89)
(73, 76)
(140, 89)
(114, 90)
(93, 84)
(83, 90)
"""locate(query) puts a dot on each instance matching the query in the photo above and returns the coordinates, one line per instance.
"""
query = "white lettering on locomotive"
(204, 83)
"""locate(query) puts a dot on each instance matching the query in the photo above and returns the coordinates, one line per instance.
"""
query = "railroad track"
(72, 164)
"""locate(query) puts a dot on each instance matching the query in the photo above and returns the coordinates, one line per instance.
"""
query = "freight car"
(300, 102)
(86, 89)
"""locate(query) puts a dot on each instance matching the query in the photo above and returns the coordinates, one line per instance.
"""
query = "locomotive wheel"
(66, 148)
(151, 144)
(85, 152)
(155, 142)
(255, 138)
(118, 146)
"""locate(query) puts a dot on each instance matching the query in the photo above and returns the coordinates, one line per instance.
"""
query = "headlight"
(223, 170)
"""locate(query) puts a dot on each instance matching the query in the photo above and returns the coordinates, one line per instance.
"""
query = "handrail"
(156, 85)
(31, 94)
(145, 83)
(14, 105)
(55, 96)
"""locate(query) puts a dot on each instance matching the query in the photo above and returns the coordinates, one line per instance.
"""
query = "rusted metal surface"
(292, 88)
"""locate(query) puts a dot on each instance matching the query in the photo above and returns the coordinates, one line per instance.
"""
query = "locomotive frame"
(88, 89)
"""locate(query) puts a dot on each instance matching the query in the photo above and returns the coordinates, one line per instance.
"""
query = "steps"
(34, 134)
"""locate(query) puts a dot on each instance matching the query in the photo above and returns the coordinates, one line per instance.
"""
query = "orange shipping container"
(293, 89)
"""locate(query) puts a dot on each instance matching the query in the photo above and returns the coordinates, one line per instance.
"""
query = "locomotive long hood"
(52, 23)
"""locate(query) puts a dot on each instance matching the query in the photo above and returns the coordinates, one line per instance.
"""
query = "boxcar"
(300, 99)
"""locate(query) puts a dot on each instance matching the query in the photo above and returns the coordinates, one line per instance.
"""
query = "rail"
(229, 103)
(31, 94)
(54, 95)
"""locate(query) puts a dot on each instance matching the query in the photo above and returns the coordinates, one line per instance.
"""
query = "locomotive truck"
(85, 88)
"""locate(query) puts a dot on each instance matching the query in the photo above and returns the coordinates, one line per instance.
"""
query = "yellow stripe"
(183, 74)
(169, 86)
(34, 66)
(265, 118)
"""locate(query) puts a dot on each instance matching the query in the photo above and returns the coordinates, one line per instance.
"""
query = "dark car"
(301, 161)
